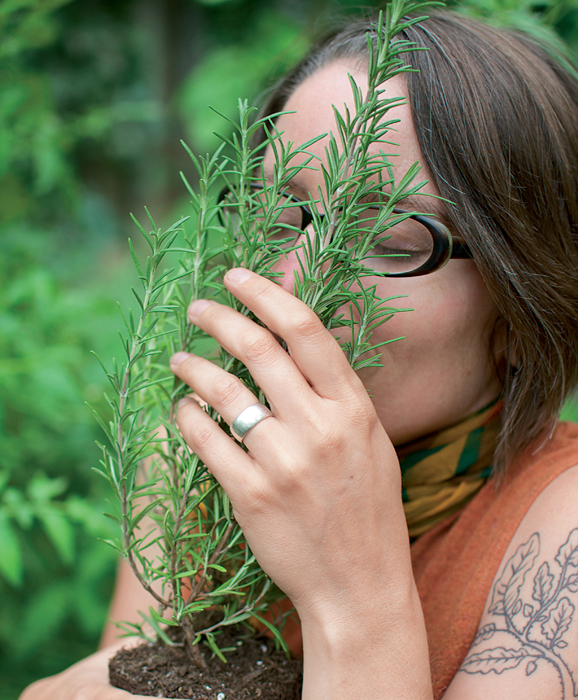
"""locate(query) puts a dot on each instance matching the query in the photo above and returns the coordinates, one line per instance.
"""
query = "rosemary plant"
(178, 532)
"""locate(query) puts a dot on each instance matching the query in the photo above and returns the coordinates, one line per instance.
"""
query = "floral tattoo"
(538, 624)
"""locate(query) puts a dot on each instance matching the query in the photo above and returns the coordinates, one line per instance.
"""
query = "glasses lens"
(272, 215)
(402, 248)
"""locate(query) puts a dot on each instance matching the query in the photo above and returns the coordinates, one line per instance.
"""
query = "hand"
(86, 680)
(319, 494)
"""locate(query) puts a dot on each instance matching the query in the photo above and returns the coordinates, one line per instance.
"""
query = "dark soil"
(254, 669)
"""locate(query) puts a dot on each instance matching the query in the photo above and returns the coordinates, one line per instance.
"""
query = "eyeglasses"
(414, 245)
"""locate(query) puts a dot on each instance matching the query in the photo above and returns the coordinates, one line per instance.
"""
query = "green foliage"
(238, 69)
(55, 576)
(554, 22)
(570, 411)
(50, 505)
(37, 138)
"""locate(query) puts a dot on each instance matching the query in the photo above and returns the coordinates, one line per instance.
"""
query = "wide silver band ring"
(248, 419)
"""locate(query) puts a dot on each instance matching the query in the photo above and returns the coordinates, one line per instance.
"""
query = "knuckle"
(199, 436)
(329, 440)
(328, 435)
(260, 288)
(258, 497)
(304, 324)
(226, 390)
(195, 429)
(362, 415)
(294, 476)
(260, 348)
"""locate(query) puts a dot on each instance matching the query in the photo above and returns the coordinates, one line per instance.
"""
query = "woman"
(490, 351)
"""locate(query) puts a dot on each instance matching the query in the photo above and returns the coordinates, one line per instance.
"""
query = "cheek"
(441, 371)
(446, 334)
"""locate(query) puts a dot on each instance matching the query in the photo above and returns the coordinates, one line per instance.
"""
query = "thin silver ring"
(248, 419)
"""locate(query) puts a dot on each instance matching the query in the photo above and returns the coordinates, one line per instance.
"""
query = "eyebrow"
(420, 203)
(413, 202)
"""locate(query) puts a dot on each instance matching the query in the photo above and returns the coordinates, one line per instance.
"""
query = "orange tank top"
(455, 563)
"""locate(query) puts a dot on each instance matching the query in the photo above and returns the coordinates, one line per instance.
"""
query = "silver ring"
(248, 419)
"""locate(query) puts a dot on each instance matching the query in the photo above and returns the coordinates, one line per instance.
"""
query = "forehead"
(313, 105)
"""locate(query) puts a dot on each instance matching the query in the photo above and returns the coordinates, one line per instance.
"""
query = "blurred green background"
(94, 97)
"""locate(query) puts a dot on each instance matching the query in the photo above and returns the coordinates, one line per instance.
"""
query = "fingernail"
(178, 357)
(238, 275)
(184, 401)
(197, 307)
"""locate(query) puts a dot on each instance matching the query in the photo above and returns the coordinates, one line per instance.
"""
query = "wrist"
(376, 650)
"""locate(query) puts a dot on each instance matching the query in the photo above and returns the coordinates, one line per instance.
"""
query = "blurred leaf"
(43, 489)
(46, 611)
(59, 531)
(18, 508)
(92, 519)
(10, 556)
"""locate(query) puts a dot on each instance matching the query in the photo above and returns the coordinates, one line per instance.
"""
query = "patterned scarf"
(443, 471)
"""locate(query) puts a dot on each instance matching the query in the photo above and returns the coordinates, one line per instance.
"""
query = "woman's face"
(442, 369)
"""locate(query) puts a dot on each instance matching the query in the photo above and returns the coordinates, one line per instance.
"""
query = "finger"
(87, 678)
(228, 396)
(256, 347)
(213, 385)
(313, 349)
(224, 457)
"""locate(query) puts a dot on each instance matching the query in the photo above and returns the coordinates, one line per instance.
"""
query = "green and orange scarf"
(443, 471)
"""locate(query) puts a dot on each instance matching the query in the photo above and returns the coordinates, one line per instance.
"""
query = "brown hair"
(496, 117)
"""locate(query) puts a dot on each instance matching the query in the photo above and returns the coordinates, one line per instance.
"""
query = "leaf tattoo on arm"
(558, 622)
(496, 660)
(506, 593)
(568, 553)
(542, 584)
(538, 624)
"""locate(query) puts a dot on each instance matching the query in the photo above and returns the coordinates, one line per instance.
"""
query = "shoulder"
(527, 642)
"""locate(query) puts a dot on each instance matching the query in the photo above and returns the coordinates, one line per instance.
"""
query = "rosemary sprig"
(176, 525)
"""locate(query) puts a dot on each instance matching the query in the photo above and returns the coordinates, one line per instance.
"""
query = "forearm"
(129, 597)
(378, 653)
